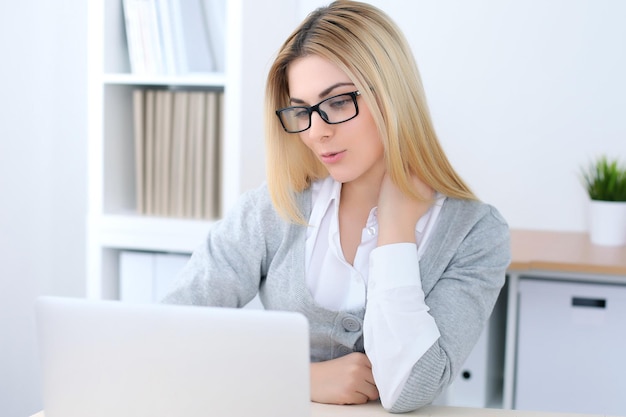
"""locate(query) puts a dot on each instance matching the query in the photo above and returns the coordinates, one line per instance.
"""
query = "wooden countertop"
(564, 252)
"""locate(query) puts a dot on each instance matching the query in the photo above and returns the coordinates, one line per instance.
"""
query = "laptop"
(115, 359)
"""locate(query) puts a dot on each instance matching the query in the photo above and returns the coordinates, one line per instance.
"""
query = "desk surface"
(374, 409)
(564, 252)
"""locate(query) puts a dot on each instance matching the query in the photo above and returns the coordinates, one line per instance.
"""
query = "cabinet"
(570, 346)
(112, 222)
(565, 324)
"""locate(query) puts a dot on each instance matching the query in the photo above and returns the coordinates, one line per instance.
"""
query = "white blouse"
(397, 328)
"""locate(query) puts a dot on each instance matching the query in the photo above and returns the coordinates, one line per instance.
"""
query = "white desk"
(374, 409)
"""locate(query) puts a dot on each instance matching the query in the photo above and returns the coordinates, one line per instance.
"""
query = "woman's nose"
(319, 128)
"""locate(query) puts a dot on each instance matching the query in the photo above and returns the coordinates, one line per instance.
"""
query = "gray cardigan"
(253, 250)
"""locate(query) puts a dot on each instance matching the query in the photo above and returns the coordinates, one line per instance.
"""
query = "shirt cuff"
(392, 266)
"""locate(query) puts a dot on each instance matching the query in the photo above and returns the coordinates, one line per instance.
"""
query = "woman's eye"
(301, 114)
(339, 103)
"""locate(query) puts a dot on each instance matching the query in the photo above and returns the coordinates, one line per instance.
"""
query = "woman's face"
(351, 151)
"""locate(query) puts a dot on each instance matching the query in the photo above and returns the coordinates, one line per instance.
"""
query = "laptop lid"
(114, 359)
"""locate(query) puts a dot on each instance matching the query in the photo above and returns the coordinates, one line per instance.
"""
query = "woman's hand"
(398, 213)
(345, 380)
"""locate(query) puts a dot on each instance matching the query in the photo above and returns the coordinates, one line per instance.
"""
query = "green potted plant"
(605, 182)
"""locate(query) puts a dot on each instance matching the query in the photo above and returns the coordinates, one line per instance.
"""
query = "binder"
(146, 277)
(479, 383)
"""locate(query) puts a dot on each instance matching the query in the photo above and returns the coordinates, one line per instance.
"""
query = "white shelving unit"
(113, 224)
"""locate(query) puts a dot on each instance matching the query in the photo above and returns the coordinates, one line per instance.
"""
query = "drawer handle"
(588, 302)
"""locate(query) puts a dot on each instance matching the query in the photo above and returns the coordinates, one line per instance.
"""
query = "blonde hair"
(368, 46)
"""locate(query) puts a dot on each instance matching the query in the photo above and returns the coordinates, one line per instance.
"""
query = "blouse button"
(371, 230)
(351, 324)
(343, 350)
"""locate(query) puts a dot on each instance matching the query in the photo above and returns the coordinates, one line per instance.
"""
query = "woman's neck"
(363, 191)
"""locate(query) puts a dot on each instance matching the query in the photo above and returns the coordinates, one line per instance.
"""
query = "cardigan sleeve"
(227, 268)
(397, 327)
(460, 294)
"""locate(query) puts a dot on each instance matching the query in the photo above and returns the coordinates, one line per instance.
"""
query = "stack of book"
(177, 136)
(175, 37)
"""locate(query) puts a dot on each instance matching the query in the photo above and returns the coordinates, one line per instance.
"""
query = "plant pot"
(607, 222)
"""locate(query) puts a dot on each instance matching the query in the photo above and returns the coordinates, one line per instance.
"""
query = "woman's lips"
(332, 157)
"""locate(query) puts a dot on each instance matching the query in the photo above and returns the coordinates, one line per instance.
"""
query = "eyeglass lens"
(333, 110)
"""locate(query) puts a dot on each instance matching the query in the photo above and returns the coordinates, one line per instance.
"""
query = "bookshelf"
(113, 224)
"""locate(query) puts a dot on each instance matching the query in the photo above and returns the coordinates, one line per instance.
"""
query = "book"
(179, 153)
(157, 155)
(167, 266)
(210, 156)
(134, 39)
(146, 277)
(138, 133)
(166, 152)
(190, 146)
(191, 37)
(218, 154)
(166, 37)
(215, 20)
(177, 36)
(149, 128)
(198, 163)
(151, 35)
(136, 276)
(143, 36)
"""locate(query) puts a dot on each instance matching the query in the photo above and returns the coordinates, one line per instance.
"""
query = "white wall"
(522, 94)
(42, 179)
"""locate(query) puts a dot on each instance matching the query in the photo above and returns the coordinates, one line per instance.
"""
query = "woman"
(363, 226)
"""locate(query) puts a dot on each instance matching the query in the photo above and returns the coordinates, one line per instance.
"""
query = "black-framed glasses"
(333, 110)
